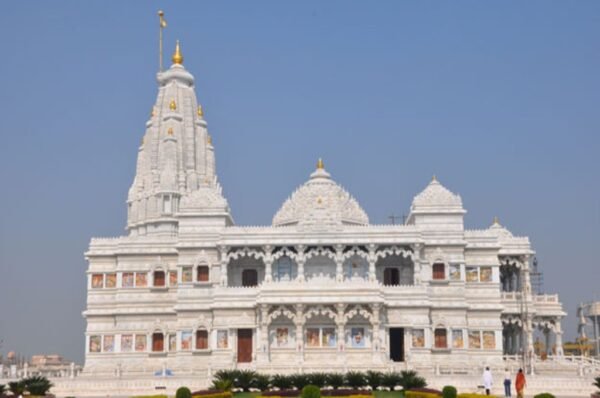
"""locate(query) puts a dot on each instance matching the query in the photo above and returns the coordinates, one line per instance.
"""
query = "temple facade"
(321, 288)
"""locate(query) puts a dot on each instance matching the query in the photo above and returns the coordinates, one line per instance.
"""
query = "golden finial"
(434, 178)
(320, 164)
(200, 111)
(177, 56)
(172, 105)
(170, 131)
(209, 139)
(496, 220)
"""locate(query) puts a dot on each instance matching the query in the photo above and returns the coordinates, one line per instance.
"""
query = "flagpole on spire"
(162, 25)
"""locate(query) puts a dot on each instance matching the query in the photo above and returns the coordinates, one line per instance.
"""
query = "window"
(111, 280)
(283, 269)
(186, 340)
(141, 279)
(249, 278)
(391, 277)
(140, 342)
(127, 279)
(418, 338)
(455, 272)
(485, 274)
(472, 274)
(158, 342)
(201, 340)
(202, 275)
(439, 271)
(167, 207)
(172, 342)
(457, 339)
(474, 339)
(172, 278)
(441, 340)
(97, 281)
(126, 343)
(186, 275)
(317, 337)
(95, 342)
(489, 340)
(159, 278)
(108, 343)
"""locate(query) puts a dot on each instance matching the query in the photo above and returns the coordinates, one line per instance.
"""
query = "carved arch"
(246, 252)
(320, 310)
(358, 310)
(283, 312)
(320, 251)
(395, 251)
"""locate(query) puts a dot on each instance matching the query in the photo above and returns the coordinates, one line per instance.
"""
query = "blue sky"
(499, 99)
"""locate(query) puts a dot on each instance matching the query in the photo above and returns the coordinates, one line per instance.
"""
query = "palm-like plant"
(245, 379)
(410, 379)
(355, 379)
(283, 382)
(318, 379)
(37, 385)
(300, 380)
(373, 379)
(597, 383)
(390, 380)
(262, 382)
(16, 387)
(335, 380)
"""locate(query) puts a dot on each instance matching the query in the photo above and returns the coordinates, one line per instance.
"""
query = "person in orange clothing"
(520, 383)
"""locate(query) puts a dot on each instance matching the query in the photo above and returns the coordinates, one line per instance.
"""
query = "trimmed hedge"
(544, 395)
(212, 394)
(449, 392)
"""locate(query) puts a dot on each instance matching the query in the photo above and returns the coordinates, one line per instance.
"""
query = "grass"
(377, 394)
(246, 394)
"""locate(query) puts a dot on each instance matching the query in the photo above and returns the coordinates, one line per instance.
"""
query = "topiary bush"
(318, 379)
(311, 391)
(355, 379)
(183, 392)
(544, 395)
(409, 379)
(283, 382)
(374, 379)
(449, 392)
(335, 380)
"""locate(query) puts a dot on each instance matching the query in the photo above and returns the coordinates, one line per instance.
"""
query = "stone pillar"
(417, 263)
(340, 324)
(300, 261)
(268, 264)
(299, 324)
(372, 261)
(72, 370)
(224, 261)
(558, 338)
(263, 352)
(375, 323)
(339, 263)
(25, 370)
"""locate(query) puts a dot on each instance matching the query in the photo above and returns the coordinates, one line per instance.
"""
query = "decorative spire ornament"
(170, 131)
(434, 178)
(200, 111)
(496, 220)
(177, 55)
(173, 105)
(320, 164)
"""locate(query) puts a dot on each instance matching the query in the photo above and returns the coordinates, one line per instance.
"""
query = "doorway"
(397, 344)
(244, 345)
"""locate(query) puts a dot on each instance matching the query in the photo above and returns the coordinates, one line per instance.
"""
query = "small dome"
(320, 201)
(436, 196)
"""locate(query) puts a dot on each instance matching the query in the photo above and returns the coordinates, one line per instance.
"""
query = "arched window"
(158, 342)
(202, 273)
(441, 340)
(201, 339)
(391, 276)
(439, 271)
(159, 278)
(249, 278)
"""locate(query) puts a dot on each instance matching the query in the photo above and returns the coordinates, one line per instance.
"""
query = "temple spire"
(177, 55)
(320, 164)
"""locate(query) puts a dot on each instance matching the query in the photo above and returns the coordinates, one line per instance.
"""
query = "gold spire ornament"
(161, 25)
(434, 178)
(209, 139)
(177, 55)
(496, 220)
(173, 105)
(170, 131)
(153, 111)
(320, 164)
(200, 111)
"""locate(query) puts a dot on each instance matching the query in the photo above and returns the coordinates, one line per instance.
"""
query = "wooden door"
(244, 345)
(397, 344)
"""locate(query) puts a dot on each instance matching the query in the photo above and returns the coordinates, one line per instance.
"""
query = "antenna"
(162, 25)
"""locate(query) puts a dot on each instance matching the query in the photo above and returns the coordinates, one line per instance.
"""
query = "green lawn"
(377, 394)
(246, 394)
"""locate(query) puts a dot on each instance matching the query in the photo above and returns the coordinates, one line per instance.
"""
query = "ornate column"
(417, 260)
(339, 263)
(268, 264)
(299, 323)
(372, 261)
(340, 323)
(375, 323)
(559, 341)
(224, 261)
(300, 261)
(263, 353)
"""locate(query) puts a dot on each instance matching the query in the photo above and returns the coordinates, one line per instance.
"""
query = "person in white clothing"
(487, 380)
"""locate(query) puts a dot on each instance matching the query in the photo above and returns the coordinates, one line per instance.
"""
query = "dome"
(435, 195)
(320, 201)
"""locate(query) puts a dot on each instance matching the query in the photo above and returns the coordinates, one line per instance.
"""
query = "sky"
(499, 99)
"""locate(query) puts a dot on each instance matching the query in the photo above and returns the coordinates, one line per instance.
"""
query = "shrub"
(283, 382)
(311, 391)
(597, 383)
(2, 388)
(410, 380)
(390, 380)
(183, 392)
(299, 380)
(318, 379)
(544, 395)
(16, 387)
(222, 384)
(37, 385)
(449, 392)
(262, 382)
(355, 379)
(244, 379)
(335, 380)
(373, 379)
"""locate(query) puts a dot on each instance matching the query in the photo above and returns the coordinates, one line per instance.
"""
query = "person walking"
(507, 382)
(487, 380)
(520, 383)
